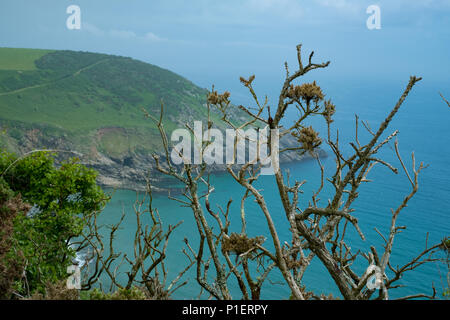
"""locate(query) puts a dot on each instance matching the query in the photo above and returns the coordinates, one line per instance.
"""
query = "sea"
(424, 129)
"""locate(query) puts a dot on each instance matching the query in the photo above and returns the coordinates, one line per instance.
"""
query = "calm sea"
(423, 122)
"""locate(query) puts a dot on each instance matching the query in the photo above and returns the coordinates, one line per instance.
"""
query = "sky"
(215, 42)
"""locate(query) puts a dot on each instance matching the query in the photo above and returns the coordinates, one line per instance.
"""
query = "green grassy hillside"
(19, 59)
(91, 102)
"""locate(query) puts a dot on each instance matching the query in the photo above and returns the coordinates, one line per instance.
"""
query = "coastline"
(116, 175)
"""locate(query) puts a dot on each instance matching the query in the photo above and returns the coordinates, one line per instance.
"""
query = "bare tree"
(318, 230)
(146, 269)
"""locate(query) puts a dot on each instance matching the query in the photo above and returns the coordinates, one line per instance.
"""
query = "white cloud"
(153, 37)
(124, 34)
(121, 34)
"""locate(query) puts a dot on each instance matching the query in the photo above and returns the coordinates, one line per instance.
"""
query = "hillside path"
(76, 73)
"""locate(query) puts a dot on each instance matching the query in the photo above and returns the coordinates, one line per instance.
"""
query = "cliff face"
(130, 170)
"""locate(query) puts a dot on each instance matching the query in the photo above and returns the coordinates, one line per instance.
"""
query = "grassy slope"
(92, 99)
(20, 59)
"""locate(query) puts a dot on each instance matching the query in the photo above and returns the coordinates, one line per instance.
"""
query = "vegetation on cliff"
(90, 102)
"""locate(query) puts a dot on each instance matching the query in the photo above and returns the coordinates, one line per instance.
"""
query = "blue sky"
(217, 41)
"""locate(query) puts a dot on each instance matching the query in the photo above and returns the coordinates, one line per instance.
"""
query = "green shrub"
(61, 197)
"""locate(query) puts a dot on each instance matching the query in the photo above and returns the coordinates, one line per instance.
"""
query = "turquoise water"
(423, 125)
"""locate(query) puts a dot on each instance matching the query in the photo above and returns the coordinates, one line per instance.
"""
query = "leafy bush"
(61, 198)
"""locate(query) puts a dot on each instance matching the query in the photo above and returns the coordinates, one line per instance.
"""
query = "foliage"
(133, 293)
(11, 268)
(56, 291)
(61, 197)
